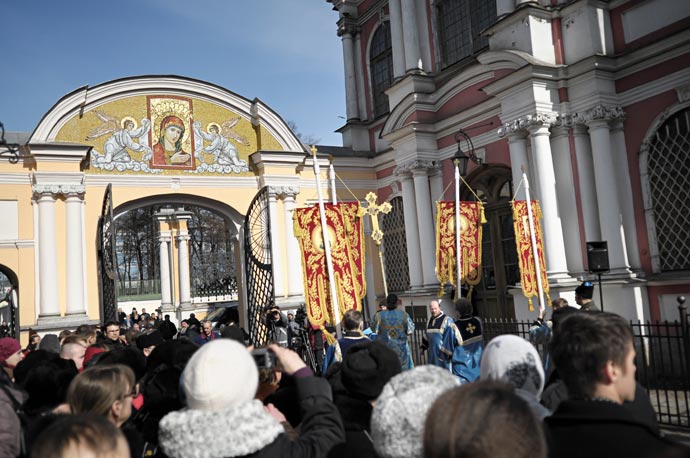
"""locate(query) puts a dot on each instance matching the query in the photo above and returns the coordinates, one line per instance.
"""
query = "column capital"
(283, 191)
(416, 167)
(348, 26)
(601, 112)
(56, 189)
(165, 237)
(183, 237)
(525, 124)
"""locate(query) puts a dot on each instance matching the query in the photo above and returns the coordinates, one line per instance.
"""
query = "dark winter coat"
(601, 429)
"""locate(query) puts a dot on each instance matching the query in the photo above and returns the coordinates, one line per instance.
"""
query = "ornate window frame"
(386, 55)
(643, 160)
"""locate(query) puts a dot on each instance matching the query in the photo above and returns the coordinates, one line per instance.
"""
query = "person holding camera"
(219, 385)
(277, 326)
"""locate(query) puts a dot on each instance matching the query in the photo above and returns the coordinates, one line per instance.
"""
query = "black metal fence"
(663, 359)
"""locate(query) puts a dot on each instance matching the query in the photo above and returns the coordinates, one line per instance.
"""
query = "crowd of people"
(137, 387)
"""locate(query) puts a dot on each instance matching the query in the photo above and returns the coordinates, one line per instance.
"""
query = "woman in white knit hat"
(223, 418)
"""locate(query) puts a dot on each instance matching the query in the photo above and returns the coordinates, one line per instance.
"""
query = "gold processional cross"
(373, 211)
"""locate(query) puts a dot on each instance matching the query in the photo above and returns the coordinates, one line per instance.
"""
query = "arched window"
(668, 168)
(381, 67)
(493, 185)
(459, 23)
(395, 247)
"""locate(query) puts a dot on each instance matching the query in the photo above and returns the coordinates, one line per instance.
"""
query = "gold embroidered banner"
(307, 226)
(355, 237)
(523, 242)
(471, 220)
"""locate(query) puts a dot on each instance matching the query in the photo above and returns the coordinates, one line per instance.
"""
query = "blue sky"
(285, 52)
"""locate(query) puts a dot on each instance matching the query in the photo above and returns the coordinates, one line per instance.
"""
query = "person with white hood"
(513, 360)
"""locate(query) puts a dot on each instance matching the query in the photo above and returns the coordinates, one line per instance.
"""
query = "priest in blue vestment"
(463, 343)
(437, 325)
(393, 327)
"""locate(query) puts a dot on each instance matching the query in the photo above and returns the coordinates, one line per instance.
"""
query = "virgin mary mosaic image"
(169, 150)
(171, 136)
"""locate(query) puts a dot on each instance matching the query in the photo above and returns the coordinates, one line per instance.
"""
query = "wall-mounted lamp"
(8, 149)
(460, 158)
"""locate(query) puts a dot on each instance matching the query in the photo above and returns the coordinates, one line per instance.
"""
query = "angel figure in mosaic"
(224, 152)
(123, 131)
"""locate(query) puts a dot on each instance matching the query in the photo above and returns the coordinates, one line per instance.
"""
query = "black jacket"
(602, 429)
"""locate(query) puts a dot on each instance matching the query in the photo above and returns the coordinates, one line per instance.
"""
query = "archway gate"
(258, 265)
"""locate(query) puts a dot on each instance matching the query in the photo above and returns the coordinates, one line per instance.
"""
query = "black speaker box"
(598, 257)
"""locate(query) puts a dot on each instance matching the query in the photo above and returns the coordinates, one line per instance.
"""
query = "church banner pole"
(533, 240)
(326, 245)
(458, 253)
(331, 176)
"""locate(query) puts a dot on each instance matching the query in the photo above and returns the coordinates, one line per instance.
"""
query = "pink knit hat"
(8, 347)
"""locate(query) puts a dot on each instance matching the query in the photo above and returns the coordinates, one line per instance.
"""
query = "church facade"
(166, 142)
(590, 98)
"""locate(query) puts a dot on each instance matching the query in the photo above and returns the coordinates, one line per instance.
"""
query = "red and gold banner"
(342, 229)
(523, 242)
(355, 237)
(471, 220)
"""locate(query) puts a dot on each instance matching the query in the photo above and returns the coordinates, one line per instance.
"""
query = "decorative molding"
(282, 191)
(55, 189)
(603, 113)
(16, 244)
(348, 26)
(599, 112)
(415, 166)
(523, 124)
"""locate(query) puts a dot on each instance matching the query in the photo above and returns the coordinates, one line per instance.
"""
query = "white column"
(588, 190)
(395, 12)
(74, 253)
(47, 256)
(552, 229)
(183, 260)
(359, 75)
(164, 259)
(560, 147)
(517, 143)
(414, 254)
(624, 187)
(425, 222)
(295, 280)
(436, 187)
(410, 35)
(276, 245)
(351, 102)
(609, 205)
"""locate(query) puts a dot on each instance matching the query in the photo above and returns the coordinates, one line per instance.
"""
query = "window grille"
(395, 247)
(668, 165)
(459, 24)
(381, 65)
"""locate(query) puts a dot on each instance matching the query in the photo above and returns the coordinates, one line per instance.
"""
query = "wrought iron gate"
(258, 265)
(107, 259)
